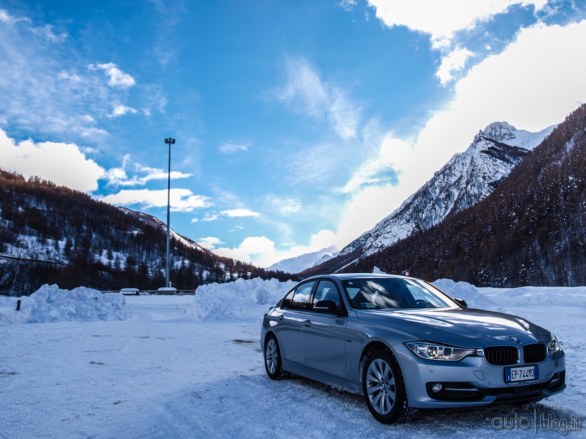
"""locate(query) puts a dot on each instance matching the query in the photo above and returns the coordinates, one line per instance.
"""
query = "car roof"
(350, 276)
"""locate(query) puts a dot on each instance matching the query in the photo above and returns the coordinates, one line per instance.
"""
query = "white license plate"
(521, 373)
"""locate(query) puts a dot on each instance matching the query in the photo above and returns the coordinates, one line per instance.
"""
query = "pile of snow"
(539, 296)
(51, 304)
(242, 300)
(463, 290)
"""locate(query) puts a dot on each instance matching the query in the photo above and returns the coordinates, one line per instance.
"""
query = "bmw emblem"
(515, 340)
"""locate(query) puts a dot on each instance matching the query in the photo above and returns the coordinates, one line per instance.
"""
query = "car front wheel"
(383, 387)
(272, 355)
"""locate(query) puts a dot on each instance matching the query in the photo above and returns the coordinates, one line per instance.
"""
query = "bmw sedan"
(403, 345)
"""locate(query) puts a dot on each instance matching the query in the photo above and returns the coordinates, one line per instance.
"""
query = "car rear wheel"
(383, 387)
(272, 354)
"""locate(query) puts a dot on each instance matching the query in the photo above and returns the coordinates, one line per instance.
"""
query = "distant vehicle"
(144, 293)
(130, 291)
(167, 290)
(403, 344)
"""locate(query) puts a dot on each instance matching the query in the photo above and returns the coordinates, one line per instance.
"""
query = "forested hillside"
(52, 234)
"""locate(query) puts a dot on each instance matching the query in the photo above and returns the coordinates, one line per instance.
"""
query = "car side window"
(302, 296)
(286, 302)
(326, 290)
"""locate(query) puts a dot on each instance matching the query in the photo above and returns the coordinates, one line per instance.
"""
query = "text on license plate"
(522, 373)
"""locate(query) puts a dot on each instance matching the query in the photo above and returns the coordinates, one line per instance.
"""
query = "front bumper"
(473, 382)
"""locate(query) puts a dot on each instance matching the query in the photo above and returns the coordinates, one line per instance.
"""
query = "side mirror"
(328, 306)
(461, 302)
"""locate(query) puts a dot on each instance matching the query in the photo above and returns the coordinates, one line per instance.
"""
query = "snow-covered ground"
(170, 369)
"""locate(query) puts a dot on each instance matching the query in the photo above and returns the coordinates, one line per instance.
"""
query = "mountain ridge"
(53, 234)
(530, 231)
(466, 179)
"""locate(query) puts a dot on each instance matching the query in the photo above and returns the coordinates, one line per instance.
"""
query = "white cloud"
(307, 93)
(231, 147)
(261, 251)
(452, 63)
(63, 163)
(119, 176)
(347, 5)
(120, 110)
(116, 77)
(182, 200)
(43, 88)
(230, 213)
(5, 17)
(443, 19)
(209, 242)
(240, 213)
(208, 218)
(535, 82)
(284, 205)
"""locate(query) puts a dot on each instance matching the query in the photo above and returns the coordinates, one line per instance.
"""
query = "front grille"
(501, 355)
(534, 353)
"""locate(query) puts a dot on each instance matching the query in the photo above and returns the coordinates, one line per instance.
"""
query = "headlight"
(554, 345)
(433, 351)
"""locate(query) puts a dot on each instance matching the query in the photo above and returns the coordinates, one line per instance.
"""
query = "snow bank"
(538, 296)
(242, 300)
(51, 304)
(463, 290)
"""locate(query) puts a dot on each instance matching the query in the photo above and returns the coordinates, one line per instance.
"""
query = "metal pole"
(169, 141)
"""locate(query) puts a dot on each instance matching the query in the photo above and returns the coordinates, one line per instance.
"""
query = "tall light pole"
(169, 141)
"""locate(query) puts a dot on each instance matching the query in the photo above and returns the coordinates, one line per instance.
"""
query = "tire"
(272, 357)
(383, 387)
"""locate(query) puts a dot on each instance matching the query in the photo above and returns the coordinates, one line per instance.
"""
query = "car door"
(294, 312)
(324, 334)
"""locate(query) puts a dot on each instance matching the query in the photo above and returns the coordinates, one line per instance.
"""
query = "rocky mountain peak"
(499, 131)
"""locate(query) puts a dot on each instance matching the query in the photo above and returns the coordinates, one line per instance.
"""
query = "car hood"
(458, 327)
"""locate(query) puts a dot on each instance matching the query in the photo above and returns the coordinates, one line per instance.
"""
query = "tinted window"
(393, 293)
(326, 290)
(302, 296)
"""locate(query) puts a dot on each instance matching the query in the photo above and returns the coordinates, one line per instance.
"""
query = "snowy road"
(165, 374)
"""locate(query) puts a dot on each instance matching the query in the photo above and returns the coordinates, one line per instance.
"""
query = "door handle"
(307, 323)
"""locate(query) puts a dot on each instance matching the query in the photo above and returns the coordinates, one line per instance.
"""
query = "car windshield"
(394, 293)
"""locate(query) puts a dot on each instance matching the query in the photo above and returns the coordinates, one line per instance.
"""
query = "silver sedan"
(403, 345)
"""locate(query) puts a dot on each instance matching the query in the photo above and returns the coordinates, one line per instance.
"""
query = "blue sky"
(299, 124)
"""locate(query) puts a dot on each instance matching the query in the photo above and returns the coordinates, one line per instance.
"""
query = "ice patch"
(51, 304)
(242, 300)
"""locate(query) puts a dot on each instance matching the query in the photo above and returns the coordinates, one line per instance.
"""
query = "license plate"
(521, 373)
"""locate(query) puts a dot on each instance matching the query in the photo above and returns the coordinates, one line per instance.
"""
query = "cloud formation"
(441, 20)
(262, 251)
(116, 77)
(120, 110)
(119, 176)
(62, 163)
(182, 200)
(240, 213)
(232, 147)
(306, 93)
(46, 88)
(452, 63)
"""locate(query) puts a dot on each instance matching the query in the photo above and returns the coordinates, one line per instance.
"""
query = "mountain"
(307, 260)
(464, 181)
(530, 231)
(52, 234)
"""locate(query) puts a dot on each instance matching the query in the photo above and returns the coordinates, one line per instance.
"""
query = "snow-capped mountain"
(307, 260)
(465, 180)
